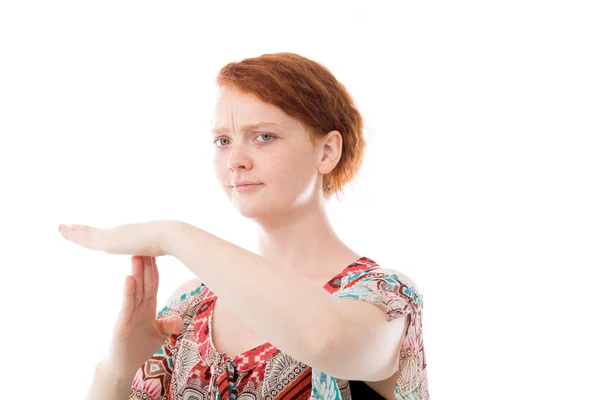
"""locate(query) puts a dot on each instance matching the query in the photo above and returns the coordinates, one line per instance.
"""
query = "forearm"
(292, 313)
(107, 386)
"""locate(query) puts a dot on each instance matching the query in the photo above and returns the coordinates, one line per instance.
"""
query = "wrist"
(109, 372)
(169, 236)
(107, 383)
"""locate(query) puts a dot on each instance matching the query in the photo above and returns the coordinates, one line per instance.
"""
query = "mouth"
(246, 187)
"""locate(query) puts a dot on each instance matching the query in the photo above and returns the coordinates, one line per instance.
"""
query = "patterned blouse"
(188, 367)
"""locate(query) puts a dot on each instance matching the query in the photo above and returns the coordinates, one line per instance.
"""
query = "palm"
(138, 334)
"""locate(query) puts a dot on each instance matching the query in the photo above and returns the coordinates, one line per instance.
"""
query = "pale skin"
(298, 253)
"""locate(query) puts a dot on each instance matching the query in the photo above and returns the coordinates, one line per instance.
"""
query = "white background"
(481, 178)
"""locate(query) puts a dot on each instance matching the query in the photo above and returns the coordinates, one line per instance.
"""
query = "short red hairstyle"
(308, 92)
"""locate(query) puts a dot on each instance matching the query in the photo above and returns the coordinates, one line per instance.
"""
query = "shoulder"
(401, 277)
(403, 285)
(383, 286)
(379, 273)
(182, 297)
(184, 289)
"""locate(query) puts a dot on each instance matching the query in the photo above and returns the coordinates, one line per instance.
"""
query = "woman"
(287, 324)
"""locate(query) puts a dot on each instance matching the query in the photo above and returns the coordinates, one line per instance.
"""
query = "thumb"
(170, 326)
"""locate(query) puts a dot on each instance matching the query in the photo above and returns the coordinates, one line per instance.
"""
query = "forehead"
(235, 106)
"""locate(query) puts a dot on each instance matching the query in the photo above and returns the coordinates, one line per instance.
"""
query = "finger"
(137, 271)
(80, 237)
(128, 304)
(148, 278)
(155, 273)
(152, 299)
(170, 326)
(82, 227)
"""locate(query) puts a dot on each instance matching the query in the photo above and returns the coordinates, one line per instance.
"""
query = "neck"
(304, 241)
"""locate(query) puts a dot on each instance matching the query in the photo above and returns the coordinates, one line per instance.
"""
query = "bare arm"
(294, 314)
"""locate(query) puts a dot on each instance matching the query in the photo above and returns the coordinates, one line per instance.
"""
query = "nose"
(239, 158)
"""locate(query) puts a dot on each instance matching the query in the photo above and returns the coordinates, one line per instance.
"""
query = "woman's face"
(276, 156)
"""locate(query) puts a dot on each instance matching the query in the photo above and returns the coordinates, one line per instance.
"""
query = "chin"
(255, 215)
(255, 210)
(246, 207)
(247, 212)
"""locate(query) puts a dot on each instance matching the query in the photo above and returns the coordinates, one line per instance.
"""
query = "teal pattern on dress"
(179, 300)
(325, 387)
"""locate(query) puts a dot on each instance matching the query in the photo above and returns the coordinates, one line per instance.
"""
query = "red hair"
(308, 92)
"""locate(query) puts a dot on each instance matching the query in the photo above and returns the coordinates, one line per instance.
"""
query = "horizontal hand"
(141, 239)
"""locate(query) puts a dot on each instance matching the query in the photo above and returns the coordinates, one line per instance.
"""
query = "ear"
(331, 151)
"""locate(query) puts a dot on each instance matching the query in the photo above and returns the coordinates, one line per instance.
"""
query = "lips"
(245, 184)
(246, 187)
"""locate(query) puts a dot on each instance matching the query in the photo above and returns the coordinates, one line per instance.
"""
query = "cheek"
(297, 170)
(220, 167)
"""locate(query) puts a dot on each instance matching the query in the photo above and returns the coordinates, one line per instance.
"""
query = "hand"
(141, 239)
(138, 333)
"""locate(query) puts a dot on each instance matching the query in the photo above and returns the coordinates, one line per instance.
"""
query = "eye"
(271, 137)
(216, 142)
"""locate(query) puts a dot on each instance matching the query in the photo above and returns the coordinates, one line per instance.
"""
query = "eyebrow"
(245, 127)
